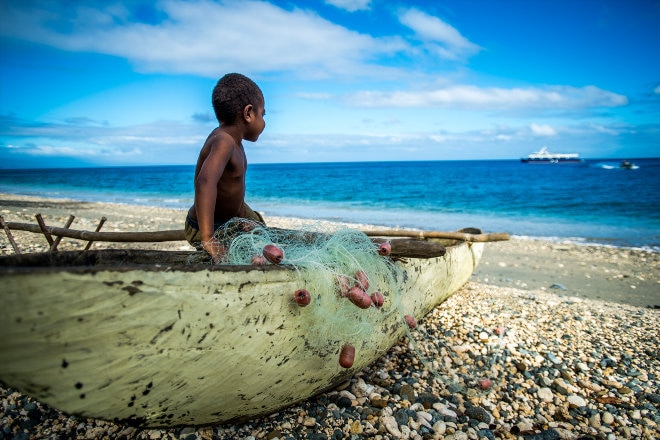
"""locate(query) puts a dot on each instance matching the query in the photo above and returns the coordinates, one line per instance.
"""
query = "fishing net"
(325, 261)
(329, 261)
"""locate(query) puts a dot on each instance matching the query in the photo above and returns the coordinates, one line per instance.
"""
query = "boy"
(220, 172)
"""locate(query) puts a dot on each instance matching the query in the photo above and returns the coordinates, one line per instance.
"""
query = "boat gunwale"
(111, 259)
(124, 260)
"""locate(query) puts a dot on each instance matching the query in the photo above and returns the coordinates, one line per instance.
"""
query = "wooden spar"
(402, 248)
(480, 238)
(178, 235)
(9, 236)
(98, 229)
(44, 230)
(56, 243)
(118, 237)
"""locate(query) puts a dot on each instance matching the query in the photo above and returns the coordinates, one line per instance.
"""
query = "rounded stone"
(575, 401)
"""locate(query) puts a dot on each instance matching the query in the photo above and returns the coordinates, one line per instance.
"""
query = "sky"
(115, 83)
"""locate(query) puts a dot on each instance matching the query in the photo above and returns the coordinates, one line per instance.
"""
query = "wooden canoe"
(148, 339)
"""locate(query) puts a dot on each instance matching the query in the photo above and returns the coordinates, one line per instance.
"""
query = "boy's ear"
(247, 112)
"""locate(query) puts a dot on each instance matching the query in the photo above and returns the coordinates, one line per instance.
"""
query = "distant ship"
(544, 156)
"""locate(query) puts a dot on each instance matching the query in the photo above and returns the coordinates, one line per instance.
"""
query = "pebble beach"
(548, 340)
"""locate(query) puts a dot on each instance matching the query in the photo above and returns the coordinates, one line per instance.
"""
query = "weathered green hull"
(166, 344)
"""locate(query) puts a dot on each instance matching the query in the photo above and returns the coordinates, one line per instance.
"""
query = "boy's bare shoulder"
(219, 138)
(216, 141)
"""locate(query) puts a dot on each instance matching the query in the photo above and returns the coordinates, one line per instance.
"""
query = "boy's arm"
(206, 191)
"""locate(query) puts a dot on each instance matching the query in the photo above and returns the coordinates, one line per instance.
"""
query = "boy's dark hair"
(231, 94)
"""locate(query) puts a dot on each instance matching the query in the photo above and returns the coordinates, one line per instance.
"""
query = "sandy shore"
(529, 288)
(629, 276)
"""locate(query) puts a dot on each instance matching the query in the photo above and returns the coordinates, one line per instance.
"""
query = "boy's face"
(256, 122)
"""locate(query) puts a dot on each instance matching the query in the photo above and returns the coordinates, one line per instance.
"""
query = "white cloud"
(542, 130)
(204, 37)
(320, 96)
(67, 150)
(57, 139)
(657, 90)
(442, 38)
(179, 144)
(350, 5)
(614, 130)
(492, 98)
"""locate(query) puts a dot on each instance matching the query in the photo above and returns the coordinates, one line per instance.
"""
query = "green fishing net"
(324, 260)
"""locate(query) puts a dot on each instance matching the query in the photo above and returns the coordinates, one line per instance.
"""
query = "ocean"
(592, 202)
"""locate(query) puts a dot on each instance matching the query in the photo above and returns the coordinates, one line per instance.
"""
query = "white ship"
(544, 156)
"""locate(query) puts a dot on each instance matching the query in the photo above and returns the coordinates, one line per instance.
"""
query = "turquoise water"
(590, 202)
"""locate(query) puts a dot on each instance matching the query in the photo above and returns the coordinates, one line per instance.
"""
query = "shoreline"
(578, 232)
(624, 275)
(570, 364)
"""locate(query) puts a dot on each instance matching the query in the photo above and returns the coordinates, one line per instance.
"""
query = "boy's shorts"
(194, 237)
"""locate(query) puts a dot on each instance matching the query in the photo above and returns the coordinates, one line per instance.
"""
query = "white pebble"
(575, 401)
(360, 388)
(439, 428)
(545, 394)
(525, 426)
(309, 421)
(607, 418)
(391, 426)
(424, 418)
(347, 394)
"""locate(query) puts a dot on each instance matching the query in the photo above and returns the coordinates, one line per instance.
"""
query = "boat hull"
(543, 156)
(163, 345)
(550, 161)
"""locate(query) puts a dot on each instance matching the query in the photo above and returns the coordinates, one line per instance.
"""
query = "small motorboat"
(627, 165)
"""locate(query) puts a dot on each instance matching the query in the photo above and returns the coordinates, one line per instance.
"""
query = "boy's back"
(220, 171)
(223, 161)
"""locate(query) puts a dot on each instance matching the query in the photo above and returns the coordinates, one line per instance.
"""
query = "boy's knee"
(193, 236)
(252, 215)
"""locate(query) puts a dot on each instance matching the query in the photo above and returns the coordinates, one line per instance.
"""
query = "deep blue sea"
(592, 202)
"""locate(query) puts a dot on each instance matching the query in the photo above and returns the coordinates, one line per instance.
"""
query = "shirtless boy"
(220, 172)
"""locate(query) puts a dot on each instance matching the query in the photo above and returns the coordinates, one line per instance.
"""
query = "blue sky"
(85, 83)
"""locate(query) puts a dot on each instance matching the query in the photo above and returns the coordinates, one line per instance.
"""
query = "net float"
(359, 297)
(302, 297)
(385, 248)
(273, 253)
(377, 299)
(344, 285)
(258, 260)
(411, 321)
(362, 279)
(347, 356)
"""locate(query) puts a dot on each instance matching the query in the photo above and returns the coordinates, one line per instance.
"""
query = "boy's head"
(231, 94)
